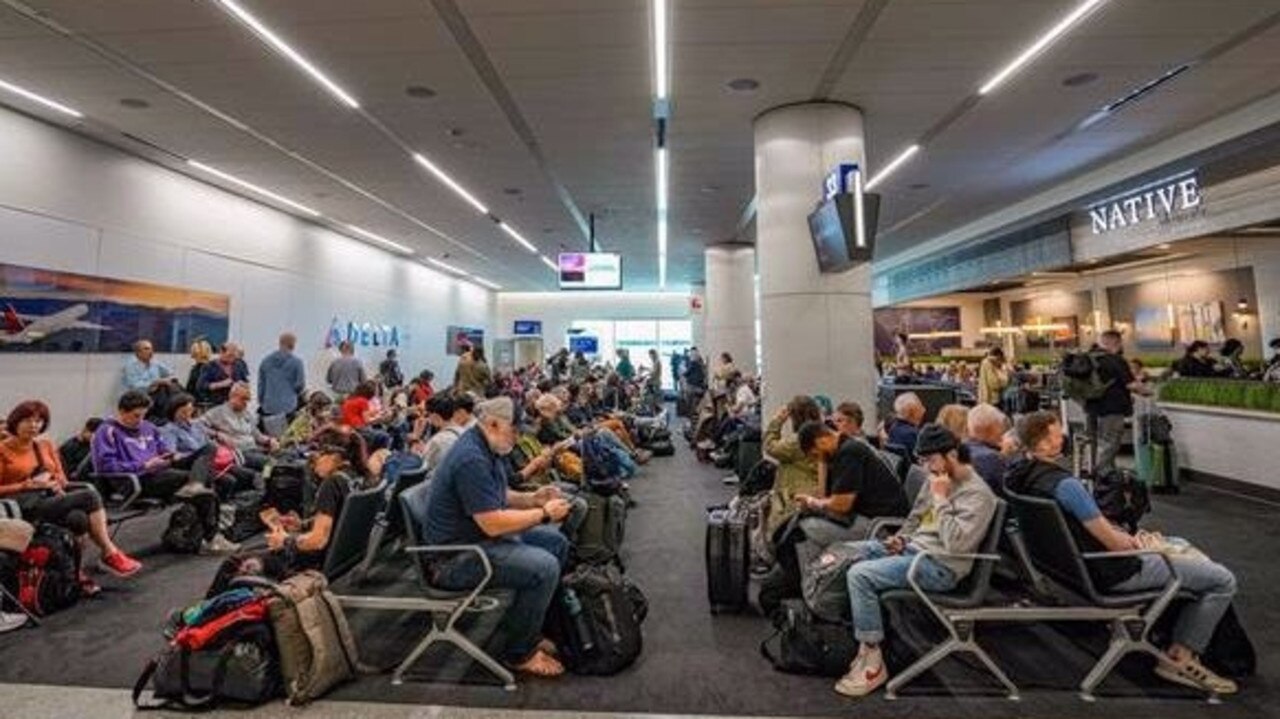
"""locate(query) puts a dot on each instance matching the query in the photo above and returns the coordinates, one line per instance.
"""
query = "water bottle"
(579, 619)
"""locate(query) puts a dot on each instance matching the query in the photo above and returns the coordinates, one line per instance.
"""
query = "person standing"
(1107, 413)
(993, 377)
(625, 369)
(217, 377)
(390, 372)
(473, 373)
(346, 372)
(281, 380)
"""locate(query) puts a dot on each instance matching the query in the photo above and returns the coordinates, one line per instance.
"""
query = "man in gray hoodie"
(952, 515)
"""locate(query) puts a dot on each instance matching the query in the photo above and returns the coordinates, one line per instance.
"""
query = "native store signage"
(362, 334)
(1166, 201)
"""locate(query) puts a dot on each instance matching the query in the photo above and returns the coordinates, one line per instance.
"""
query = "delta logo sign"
(361, 334)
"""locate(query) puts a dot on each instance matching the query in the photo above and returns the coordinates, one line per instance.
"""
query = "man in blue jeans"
(471, 503)
(952, 516)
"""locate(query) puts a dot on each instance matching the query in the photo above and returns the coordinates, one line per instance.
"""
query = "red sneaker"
(121, 564)
(88, 588)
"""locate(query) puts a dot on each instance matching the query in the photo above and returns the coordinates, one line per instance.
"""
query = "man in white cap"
(471, 504)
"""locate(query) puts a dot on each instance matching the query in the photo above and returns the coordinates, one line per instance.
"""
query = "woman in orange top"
(31, 474)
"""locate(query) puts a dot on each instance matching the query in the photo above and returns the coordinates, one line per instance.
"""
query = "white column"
(698, 315)
(1266, 282)
(816, 328)
(730, 308)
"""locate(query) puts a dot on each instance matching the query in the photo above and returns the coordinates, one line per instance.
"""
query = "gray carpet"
(694, 662)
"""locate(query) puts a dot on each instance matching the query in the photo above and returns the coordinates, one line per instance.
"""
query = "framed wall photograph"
(1151, 327)
(1201, 321)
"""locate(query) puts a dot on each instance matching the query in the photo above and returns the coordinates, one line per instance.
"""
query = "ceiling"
(562, 125)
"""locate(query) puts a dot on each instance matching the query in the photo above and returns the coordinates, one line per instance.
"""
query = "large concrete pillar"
(816, 328)
(730, 310)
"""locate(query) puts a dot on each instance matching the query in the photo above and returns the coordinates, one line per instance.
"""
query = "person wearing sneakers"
(31, 474)
(470, 503)
(953, 515)
(1212, 585)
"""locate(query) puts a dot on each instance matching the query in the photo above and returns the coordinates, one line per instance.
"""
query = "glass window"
(602, 330)
(638, 337)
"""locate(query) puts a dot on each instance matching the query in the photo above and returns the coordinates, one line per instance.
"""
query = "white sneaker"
(731, 480)
(10, 622)
(219, 545)
(706, 444)
(866, 674)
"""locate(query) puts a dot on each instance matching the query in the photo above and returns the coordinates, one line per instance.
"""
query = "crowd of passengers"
(211, 445)
(502, 450)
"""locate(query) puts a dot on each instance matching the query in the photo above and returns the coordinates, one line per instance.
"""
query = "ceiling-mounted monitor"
(844, 230)
(590, 271)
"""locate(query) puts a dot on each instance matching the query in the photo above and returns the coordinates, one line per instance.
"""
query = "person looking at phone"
(449, 416)
(471, 503)
(128, 444)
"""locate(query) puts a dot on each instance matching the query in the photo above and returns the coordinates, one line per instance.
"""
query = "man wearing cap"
(471, 503)
(952, 516)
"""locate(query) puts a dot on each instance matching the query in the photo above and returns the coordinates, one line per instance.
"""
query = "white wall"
(68, 203)
(557, 309)
(971, 319)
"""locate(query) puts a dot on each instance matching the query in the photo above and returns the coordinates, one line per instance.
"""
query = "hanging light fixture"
(1242, 304)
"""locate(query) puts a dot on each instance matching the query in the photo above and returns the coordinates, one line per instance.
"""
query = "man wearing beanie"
(951, 515)
(470, 503)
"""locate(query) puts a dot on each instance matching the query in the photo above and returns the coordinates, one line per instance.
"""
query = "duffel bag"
(803, 644)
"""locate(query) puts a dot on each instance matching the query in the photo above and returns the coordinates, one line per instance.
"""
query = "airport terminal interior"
(760, 358)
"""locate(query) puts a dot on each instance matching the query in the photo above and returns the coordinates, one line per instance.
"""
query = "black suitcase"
(728, 559)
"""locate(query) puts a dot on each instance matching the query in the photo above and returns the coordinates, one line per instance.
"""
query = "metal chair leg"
(31, 617)
(431, 638)
(921, 665)
(495, 667)
(1121, 645)
(995, 670)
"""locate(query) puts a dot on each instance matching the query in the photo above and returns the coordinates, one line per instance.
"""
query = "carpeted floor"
(694, 662)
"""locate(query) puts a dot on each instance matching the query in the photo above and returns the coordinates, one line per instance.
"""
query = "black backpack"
(238, 518)
(806, 644)
(1122, 498)
(595, 619)
(49, 571)
(185, 531)
(1080, 378)
(760, 478)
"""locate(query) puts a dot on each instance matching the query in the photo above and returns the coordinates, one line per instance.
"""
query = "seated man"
(953, 515)
(75, 450)
(219, 376)
(146, 374)
(901, 431)
(847, 419)
(552, 427)
(231, 424)
(448, 417)
(317, 416)
(858, 484)
(189, 437)
(470, 503)
(129, 444)
(1212, 584)
(987, 426)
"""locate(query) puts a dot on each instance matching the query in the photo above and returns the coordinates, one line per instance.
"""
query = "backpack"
(595, 619)
(807, 645)
(49, 571)
(598, 461)
(221, 650)
(661, 447)
(1122, 498)
(238, 518)
(759, 480)
(317, 650)
(1159, 429)
(185, 532)
(600, 534)
(1080, 378)
(822, 581)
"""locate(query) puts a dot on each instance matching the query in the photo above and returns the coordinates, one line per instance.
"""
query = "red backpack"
(48, 571)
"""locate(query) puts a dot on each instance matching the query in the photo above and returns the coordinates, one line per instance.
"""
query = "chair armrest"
(1171, 587)
(127, 484)
(914, 570)
(10, 509)
(459, 549)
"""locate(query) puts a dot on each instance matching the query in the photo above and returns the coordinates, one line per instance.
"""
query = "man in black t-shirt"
(1107, 413)
(859, 484)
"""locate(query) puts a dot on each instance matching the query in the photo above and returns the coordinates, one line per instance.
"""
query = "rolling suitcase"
(728, 559)
(1164, 468)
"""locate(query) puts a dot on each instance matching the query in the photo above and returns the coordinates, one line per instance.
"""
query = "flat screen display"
(834, 229)
(590, 271)
(527, 327)
(588, 345)
(460, 339)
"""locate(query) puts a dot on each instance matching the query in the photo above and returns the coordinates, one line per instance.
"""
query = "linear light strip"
(402, 249)
(661, 169)
(547, 261)
(250, 186)
(889, 169)
(1040, 45)
(463, 274)
(39, 99)
(486, 283)
(518, 237)
(283, 48)
(452, 184)
(661, 72)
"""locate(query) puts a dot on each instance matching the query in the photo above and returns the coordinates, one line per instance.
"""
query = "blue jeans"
(1212, 584)
(620, 451)
(529, 563)
(881, 571)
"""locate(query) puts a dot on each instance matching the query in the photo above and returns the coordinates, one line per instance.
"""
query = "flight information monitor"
(590, 271)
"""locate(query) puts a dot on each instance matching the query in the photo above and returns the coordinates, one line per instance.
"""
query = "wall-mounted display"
(459, 339)
(590, 271)
(890, 321)
(52, 311)
(1201, 321)
(1152, 327)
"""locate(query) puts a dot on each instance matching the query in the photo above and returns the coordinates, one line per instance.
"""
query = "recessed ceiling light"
(135, 103)
(422, 92)
(743, 84)
(1080, 79)
(548, 230)
(918, 186)
(455, 131)
(512, 190)
(709, 189)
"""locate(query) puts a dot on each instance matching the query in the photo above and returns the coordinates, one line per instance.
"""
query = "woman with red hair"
(31, 474)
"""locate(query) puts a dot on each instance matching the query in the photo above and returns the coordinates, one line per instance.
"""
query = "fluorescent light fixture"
(486, 283)
(859, 212)
(661, 73)
(937, 334)
(250, 186)
(448, 267)
(283, 48)
(547, 261)
(23, 92)
(396, 246)
(1082, 10)
(661, 171)
(443, 176)
(892, 166)
(518, 237)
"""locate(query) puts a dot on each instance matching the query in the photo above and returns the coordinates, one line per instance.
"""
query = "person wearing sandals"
(31, 474)
(1212, 585)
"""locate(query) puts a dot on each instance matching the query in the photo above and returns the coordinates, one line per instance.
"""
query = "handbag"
(224, 460)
